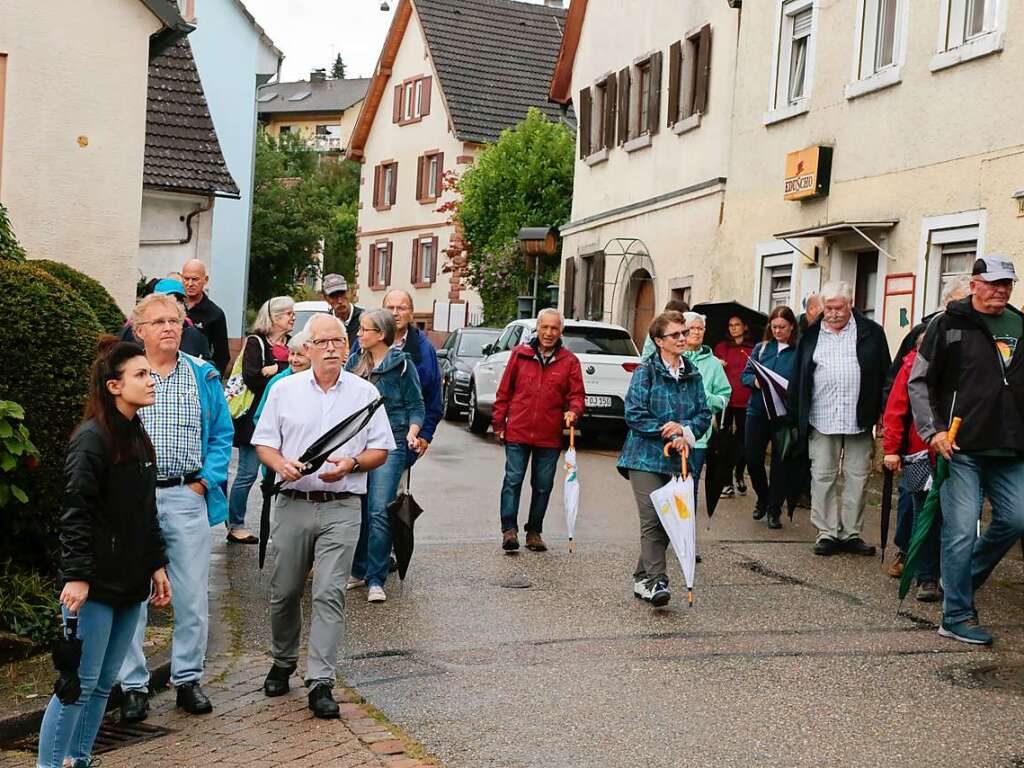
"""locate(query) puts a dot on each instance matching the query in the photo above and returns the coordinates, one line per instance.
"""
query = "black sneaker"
(741, 487)
(825, 547)
(322, 703)
(727, 493)
(191, 698)
(660, 595)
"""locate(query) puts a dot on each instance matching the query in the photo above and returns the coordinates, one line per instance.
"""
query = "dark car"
(460, 353)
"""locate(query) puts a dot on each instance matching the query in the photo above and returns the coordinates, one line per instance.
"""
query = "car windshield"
(302, 317)
(582, 340)
(472, 344)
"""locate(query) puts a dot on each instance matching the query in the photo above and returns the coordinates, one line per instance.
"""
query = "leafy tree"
(338, 68)
(524, 180)
(9, 248)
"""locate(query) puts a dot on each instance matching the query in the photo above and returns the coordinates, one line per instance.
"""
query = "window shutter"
(700, 93)
(421, 189)
(623, 105)
(597, 287)
(396, 114)
(583, 115)
(440, 173)
(610, 97)
(377, 173)
(414, 272)
(569, 286)
(433, 259)
(675, 64)
(372, 281)
(425, 101)
(387, 274)
(654, 97)
(393, 195)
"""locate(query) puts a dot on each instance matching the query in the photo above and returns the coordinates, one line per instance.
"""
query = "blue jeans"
(186, 529)
(69, 730)
(248, 468)
(968, 560)
(905, 515)
(373, 552)
(695, 465)
(542, 479)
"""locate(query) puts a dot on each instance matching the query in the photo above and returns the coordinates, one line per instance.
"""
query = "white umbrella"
(572, 489)
(675, 504)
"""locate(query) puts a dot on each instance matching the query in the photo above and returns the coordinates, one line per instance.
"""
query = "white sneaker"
(376, 595)
(641, 591)
(354, 583)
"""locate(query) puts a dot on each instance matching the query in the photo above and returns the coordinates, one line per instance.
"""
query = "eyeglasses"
(163, 322)
(324, 343)
(675, 336)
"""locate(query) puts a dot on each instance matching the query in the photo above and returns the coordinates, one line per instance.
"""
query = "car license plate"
(598, 401)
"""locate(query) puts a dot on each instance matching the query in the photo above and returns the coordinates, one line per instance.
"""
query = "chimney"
(318, 76)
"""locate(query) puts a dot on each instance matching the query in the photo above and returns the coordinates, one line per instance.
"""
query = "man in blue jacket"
(191, 430)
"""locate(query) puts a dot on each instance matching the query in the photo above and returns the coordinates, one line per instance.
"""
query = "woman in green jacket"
(717, 389)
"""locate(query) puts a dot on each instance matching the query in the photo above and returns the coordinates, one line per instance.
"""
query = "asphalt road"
(547, 659)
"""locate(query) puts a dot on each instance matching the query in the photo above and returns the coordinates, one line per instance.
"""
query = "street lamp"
(535, 243)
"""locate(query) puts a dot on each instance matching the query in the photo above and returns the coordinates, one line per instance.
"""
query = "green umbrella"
(926, 517)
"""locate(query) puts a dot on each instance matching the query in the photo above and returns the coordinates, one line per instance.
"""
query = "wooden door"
(643, 309)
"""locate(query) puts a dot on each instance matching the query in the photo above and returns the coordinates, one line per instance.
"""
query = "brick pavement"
(248, 728)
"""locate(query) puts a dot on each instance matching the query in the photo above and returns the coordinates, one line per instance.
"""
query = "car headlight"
(462, 377)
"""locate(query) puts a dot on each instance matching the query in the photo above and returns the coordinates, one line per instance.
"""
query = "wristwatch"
(356, 466)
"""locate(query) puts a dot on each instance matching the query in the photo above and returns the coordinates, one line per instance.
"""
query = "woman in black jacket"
(111, 547)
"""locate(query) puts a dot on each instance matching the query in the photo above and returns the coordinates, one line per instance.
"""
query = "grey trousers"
(650, 568)
(839, 517)
(322, 537)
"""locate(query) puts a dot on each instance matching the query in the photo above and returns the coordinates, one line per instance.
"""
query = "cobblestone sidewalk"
(248, 728)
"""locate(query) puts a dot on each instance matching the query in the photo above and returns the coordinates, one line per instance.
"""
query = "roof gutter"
(167, 37)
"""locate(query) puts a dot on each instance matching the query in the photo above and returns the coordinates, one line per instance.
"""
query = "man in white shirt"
(316, 517)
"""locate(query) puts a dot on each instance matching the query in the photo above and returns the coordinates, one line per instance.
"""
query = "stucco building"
(321, 111)
(450, 78)
(73, 128)
(652, 86)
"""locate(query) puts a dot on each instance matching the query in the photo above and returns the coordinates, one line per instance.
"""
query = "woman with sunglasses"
(665, 405)
(394, 374)
(112, 552)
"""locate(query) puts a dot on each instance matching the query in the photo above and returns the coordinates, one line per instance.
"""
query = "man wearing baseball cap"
(336, 294)
(971, 366)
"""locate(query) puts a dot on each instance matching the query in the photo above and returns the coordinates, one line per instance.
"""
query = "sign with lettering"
(808, 173)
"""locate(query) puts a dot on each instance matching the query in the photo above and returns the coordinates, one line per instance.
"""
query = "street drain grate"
(1005, 678)
(113, 735)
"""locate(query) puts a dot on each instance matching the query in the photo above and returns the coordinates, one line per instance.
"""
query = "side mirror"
(443, 354)
(487, 349)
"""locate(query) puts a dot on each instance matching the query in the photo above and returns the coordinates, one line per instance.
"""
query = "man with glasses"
(317, 518)
(204, 314)
(969, 366)
(191, 431)
(836, 394)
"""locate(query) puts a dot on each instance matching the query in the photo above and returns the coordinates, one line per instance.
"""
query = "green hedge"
(29, 606)
(50, 336)
(102, 303)
(9, 248)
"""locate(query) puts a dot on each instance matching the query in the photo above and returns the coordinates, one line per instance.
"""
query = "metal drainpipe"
(203, 208)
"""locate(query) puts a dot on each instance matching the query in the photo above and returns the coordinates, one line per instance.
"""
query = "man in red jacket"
(541, 390)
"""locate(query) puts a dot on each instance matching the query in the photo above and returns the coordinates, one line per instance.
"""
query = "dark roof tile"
(324, 96)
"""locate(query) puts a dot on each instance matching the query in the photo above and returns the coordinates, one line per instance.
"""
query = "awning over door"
(838, 228)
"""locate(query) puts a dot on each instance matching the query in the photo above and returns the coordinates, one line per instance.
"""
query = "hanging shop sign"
(808, 173)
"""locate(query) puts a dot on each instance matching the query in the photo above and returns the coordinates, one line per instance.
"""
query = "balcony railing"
(327, 144)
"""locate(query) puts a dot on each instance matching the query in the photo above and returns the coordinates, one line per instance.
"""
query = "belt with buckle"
(174, 482)
(317, 497)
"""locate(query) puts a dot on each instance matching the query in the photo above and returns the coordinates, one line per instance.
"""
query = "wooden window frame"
(375, 253)
(638, 133)
(423, 178)
(407, 111)
(598, 110)
(418, 279)
(593, 285)
(689, 79)
(385, 197)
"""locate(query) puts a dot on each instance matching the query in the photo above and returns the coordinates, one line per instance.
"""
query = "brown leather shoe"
(535, 543)
(896, 566)
(510, 540)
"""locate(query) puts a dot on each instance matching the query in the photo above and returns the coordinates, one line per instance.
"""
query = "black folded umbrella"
(719, 465)
(402, 514)
(67, 655)
(886, 507)
(312, 459)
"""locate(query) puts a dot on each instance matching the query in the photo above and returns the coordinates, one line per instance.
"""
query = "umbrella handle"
(572, 433)
(953, 429)
(685, 453)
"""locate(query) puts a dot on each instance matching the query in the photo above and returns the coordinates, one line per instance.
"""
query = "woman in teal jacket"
(665, 401)
(717, 389)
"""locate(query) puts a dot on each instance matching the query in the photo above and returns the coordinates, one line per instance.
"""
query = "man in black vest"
(204, 314)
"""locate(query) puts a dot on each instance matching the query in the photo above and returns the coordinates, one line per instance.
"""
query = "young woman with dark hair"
(112, 552)
(776, 352)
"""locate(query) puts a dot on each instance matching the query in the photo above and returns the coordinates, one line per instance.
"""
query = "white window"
(969, 29)
(775, 280)
(389, 175)
(419, 98)
(950, 246)
(382, 264)
(597, 118)
(426, 259)
(880, 45)
(410, 100)
(644, 94)
(793, 66)
(432, 176)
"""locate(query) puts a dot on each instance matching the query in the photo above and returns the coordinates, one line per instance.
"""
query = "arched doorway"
(641, 293)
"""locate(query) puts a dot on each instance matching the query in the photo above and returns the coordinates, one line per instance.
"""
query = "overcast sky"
(311, 32)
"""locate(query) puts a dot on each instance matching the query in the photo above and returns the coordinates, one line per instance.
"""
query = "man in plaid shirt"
(836, 394)
(191, 431)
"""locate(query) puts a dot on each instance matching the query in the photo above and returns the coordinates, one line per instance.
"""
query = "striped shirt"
(174, 422)
(836, 382)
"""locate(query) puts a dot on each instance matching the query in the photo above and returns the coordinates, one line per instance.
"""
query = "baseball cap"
(335, 284)
(992, 268)
(171, 286)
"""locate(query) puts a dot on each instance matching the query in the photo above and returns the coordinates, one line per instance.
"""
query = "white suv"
(606, 353)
